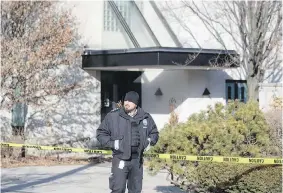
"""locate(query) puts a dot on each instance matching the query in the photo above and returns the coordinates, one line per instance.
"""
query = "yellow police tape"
(219, 159)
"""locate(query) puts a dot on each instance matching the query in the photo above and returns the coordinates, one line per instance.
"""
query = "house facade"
(132, 45)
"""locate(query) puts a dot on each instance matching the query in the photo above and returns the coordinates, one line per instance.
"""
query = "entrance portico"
(147, 70)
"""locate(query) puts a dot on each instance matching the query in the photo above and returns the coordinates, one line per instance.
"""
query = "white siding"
(267, 93)
(186, 87)
(89, 15)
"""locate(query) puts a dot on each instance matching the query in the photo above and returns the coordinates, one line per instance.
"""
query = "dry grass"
(11, 162)
(13, 157)
(39, 161)
(274, 120)
(174, 117)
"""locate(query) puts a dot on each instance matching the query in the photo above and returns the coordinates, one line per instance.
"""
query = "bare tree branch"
(255, 28)
(36, 38)
(185, 27)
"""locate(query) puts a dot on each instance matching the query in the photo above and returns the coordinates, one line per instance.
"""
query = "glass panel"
(242, 94)
(229, 93)
(130, 13)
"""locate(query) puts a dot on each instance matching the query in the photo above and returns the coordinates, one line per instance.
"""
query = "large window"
(111, 23)
(236, 89)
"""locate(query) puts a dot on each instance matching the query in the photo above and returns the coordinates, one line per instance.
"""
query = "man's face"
(129, 106)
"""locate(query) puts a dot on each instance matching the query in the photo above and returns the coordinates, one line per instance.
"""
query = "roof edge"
(158, 49)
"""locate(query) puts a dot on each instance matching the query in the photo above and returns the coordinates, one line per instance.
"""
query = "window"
(111, 23)
(236, 89)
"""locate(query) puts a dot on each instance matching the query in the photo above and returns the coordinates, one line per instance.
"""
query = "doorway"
(114, 86)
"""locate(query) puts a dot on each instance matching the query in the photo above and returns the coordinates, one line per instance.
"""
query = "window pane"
(109, 16)
(242, 94)
(230, 91)
(229, 94)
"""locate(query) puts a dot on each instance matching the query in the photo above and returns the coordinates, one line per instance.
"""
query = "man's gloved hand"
(148, 146)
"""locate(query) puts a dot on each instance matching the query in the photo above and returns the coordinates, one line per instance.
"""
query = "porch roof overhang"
(158, 58)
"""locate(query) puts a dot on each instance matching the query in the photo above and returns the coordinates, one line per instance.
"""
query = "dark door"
(114, 86)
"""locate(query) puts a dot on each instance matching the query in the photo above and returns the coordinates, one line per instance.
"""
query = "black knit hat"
(133, 97)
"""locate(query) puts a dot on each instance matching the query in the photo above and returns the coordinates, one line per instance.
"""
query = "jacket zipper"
(130, 137)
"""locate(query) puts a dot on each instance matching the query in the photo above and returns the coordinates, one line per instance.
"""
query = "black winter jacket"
(116, 126)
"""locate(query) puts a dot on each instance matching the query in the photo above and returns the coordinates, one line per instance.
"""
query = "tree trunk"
(253, 88)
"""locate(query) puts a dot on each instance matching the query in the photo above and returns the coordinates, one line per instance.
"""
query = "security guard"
(128, 131)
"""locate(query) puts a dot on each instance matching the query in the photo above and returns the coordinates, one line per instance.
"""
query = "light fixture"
(206, 92)
(158, 92)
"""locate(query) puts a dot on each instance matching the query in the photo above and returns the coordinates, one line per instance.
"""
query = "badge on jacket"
(144, 123)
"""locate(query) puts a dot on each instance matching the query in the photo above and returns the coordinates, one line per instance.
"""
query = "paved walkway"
(73, 178)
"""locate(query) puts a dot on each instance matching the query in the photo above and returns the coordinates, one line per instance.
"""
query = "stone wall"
(70, 120)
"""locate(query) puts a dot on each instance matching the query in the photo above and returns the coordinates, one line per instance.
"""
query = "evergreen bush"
(236, 129)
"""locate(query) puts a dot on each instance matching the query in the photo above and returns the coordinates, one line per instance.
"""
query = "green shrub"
(235, 130)
(261, 179)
